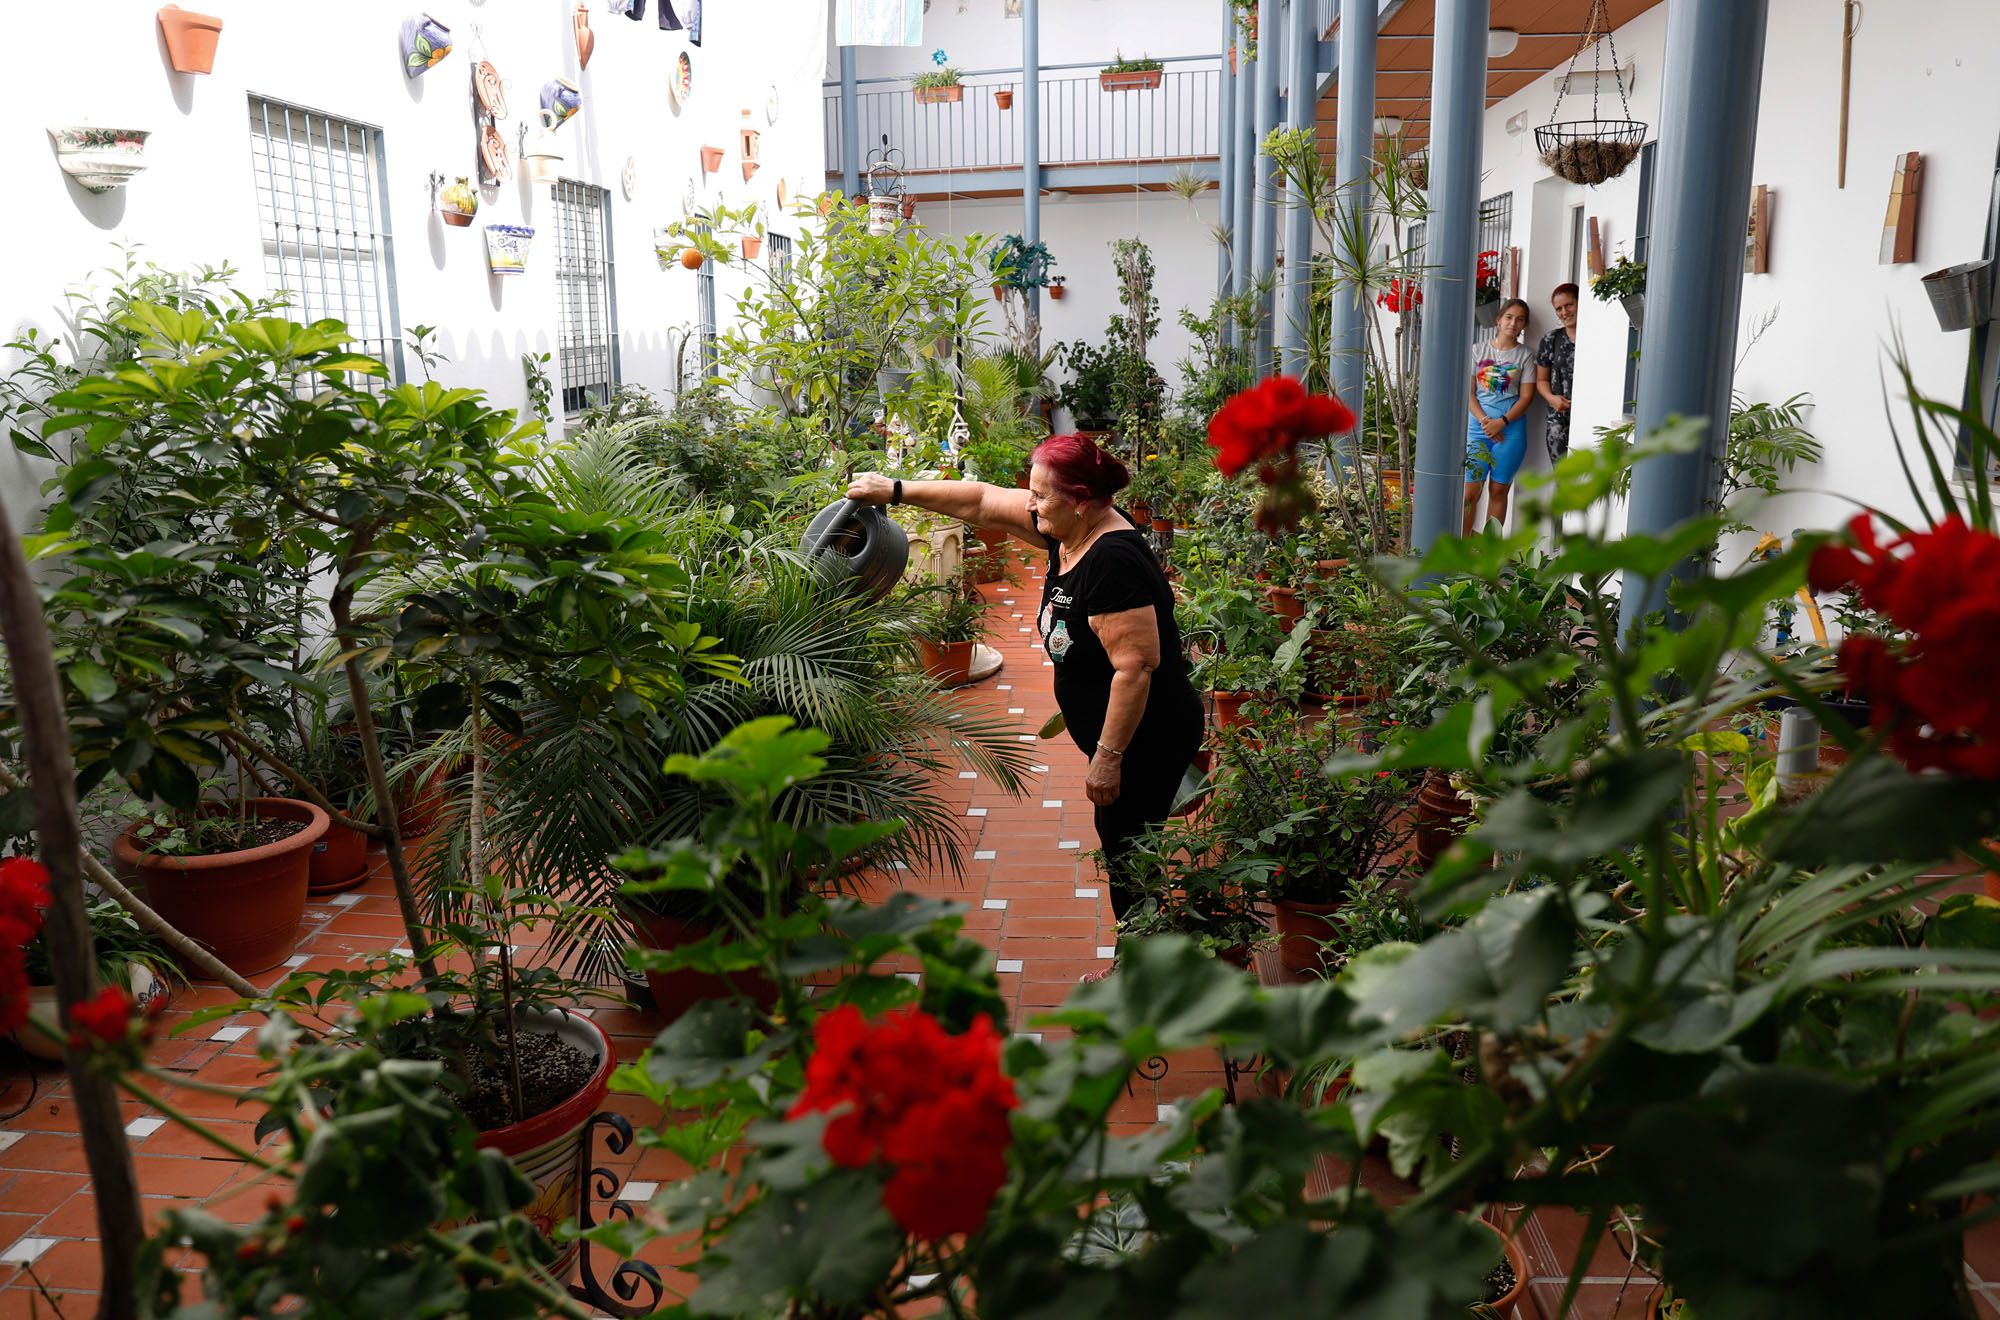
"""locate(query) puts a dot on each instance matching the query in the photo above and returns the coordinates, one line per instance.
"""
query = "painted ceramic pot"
(425, 42)
(586, 40)
(561, 98)
(100, 158)
(507, 248)
(457, 202)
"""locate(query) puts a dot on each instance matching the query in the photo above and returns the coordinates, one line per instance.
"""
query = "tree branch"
(308, 790)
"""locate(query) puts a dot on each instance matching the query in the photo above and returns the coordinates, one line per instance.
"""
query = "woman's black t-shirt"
(1117, 573)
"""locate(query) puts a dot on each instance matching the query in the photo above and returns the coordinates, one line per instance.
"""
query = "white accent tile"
(297, 960)
(1003, 687)
(1048, 664)
(1034, 1036)
(638, 1191)
(921, 1280)
(899, 866)
(26, 1251)
(584, 1012)
(1165, 1113)
(1028, 737)
(914, 978)
(229, 1033)
(144, 1127)
(1007, 965)
(1024, 628)
(985, 855)
(1107, 951)
(1070, 843)
(1086, 891)
(1017, 710)
(1038, 769)
(1052, 802)
(9, 1138)
(975, 812)
(968, 774)
(995, 905)
(343, 900)
(1018, 616)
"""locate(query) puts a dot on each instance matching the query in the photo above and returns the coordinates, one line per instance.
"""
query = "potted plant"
(1486, 295)
(191, 39)
(126, 956)
(711, 159)
(938, 87)
(231, 875)
(1018, 264)
(457, 202)
(1003, 97)
(1125, 75)
(1193, 882)
(672, 922)
(1623, 281)
(1057, 290)
(951, 627)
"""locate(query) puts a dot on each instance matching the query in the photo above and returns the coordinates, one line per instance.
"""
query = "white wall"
(1079, 230)
(106, 63)
(1922, 81)
(1073, 32)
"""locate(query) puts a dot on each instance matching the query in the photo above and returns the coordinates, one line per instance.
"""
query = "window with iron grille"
(324, 228)
(1496, 234)
(1642, 236)
(781, 256)
(586, 310)
(705, 291)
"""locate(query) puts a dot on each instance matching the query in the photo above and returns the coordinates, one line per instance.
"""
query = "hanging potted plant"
(457, 202)
(1623, 282)
(507, 248)
(752, 245)
(1125, 75)
(1486, 295)
(1056, 289)
(941, 87)
(1018, 265)
(1003, 97)
(190, 38)
(1590, 151)
(711, 159)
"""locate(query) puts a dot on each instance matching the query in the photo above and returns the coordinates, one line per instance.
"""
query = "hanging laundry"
(878, 22)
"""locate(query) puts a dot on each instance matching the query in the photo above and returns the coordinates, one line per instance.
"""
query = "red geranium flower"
(1263, 425)
(24, 892)
(930, 1105)
(106, 1019)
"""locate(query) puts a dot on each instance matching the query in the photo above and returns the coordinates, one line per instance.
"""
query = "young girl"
(1496, 436)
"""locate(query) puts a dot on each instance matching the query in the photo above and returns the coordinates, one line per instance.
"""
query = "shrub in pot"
(1193, 883)
(126, 956)
(950, 628)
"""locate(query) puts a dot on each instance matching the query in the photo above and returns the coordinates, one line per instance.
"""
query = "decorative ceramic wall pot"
(542, 156)
(680, 80)
(191, 39)
(507, 248)
(586, 40)
(425, 42)
(750, 167)
(711, 159)
(561, 98)
(457, 202)
(100, 158)
(752, 245)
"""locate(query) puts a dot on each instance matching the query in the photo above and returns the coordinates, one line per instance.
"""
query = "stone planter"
(100, 159)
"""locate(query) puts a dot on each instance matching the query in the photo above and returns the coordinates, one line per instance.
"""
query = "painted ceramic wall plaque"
(1899, 226)
(425, 42)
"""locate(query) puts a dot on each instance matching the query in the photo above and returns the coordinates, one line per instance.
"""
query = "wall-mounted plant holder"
(542, 156)
(784, 194)
(711, 159)
(586, 40)
(752, 245)
(507, 248)
(1961, 296)
(425, 42)
(1004, 98)
(190, 38)
(457, 202)
(562, 99)
(750, 167)
(100, 159)
(1056, 289)
(1757, 238)
(752, 141)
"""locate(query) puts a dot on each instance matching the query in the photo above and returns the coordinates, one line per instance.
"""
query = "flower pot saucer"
(986, 662)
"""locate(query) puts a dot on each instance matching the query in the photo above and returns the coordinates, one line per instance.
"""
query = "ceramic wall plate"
(771, 106)
(491, 91)
(628, 178)
(680, 79)
(493, 152)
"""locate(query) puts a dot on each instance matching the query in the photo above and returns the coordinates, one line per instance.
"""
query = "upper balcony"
(1092, 139)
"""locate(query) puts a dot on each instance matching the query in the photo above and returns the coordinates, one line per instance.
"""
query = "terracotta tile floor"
(1034, 895)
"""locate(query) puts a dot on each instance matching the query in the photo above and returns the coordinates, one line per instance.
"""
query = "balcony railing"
(1082, 123)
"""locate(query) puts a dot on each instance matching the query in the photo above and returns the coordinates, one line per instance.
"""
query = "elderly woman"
(1107, 622)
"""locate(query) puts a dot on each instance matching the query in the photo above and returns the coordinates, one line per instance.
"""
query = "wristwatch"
(896, 496)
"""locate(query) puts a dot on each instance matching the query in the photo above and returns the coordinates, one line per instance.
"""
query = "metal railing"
(1082, 123)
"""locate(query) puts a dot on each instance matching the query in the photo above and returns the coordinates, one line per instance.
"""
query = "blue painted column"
(1031, 135)
(1354, 143)
(1710, 85)
(1458, 104)
(1242, 171)
(1302, 80)
(1264, 203)
(1226, 165)
(850, 131)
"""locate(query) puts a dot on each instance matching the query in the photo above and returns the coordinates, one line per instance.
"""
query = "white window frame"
(586, 301)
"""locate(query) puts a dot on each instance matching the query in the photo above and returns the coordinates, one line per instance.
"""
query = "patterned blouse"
(1557, 352)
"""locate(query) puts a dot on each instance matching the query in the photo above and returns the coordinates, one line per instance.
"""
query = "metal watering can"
(858, 546)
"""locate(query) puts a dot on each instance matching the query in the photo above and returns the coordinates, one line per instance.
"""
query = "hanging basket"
(1590, 151)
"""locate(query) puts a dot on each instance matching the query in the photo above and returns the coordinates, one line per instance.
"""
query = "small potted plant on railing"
(1019, 265)
(1003, 97)
(1125, 75)
(1623, 281)
(938, 88)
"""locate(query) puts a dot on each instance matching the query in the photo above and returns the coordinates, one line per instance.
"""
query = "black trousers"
(1153, 770)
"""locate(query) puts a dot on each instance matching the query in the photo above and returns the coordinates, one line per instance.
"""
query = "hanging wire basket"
(1590, 151)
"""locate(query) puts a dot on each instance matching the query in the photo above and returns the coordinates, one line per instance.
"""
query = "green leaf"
(91, 679)
(1166, 994)
(830, 1242)
(1876, 811)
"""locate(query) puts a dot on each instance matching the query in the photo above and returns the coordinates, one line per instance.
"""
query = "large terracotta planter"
(190, 38)
(1284, 604)
(339, 860)
(1517, 1260)
(1301, 928)
(674, 993)
(1137, 80)
(548, 1149)
(950, 95)
(1229, 706)
(244, 907)
(1441, 817)
(950, 663)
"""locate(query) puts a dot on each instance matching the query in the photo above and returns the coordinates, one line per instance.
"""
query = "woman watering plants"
(1107, 622)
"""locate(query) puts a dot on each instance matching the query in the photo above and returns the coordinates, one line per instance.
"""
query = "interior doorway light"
(1501, 42)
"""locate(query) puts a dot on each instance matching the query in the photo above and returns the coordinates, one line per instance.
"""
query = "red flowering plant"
(24, 893)
(1263, 427)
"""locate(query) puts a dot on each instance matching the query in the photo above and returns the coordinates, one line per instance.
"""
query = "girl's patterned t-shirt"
(1498, 373)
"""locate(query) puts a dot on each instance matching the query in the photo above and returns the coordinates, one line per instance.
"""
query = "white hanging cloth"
(878, 22)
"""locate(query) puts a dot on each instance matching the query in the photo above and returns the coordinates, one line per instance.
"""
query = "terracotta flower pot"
(1328, 567)
(1229, 706)
(751, 247)
(1284, 604)
(950, 95)
(244, 907)
(1301, 928)
(674, 993)
(1142, 513)
(1138, 81)
(548, 1148)
(1517, 1260)
(1442, 813)
(339, 860)
(1057, 292)
(950, 663)
(711, 159)
(191, 39)
(1004, 98)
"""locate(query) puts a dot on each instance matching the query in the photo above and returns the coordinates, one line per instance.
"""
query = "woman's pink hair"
(1080, 469)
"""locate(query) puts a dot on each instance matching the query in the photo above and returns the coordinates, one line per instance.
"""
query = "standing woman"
(1555, 370)
(1496, 433)
(1107, 622)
